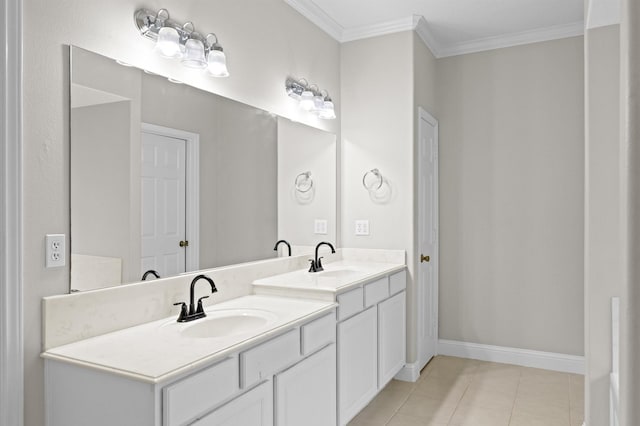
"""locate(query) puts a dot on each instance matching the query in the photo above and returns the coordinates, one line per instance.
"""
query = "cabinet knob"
(424, 258)
(184, 243)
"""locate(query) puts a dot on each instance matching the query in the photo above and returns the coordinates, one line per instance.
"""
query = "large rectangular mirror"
(169, 178)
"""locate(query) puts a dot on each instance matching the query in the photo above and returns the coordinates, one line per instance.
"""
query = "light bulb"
(217, 63)
(306, 100)
(168, 44)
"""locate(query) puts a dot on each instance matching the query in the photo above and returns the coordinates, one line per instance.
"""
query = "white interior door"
(163, 204)
(428, 238)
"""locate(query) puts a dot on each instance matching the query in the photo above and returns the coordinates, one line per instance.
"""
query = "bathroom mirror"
(171, 178)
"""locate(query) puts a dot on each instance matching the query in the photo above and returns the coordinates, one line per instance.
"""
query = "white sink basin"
(227, 323)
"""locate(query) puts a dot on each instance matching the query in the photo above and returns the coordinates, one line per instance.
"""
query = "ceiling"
(452, 27)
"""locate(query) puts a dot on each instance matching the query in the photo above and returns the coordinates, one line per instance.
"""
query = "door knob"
(424, 258)
(184, 243)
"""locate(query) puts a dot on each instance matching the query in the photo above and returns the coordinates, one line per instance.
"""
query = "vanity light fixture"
(311, 98)
(181, 41)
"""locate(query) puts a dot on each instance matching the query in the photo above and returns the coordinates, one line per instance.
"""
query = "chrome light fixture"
(310, 98)
(181, 41)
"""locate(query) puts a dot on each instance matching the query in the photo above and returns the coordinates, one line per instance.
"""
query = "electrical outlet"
(362, 227)
(320, 227)
(55, 250)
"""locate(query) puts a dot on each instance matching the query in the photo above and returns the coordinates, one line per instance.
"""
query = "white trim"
(601, 13)
(409, 373)
(524, 357)
(427, 37)
(319, 17)
(514, 39)
(192, 213)
(11, 305)
(382, 28)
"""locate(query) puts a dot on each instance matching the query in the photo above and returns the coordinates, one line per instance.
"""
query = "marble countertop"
(159, 351)
(337, 277)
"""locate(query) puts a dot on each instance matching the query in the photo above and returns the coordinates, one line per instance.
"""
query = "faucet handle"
(319, 264)
(183, 311)
(200, 309)
(312, 268)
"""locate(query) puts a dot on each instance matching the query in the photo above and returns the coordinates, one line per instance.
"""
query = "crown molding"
(319, 17)
(514, 39)
(601, 13)
(427, 37)
(374, 30)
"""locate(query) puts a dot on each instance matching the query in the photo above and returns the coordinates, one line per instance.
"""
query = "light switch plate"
(362, 227)
(320, 227)
(55, 250)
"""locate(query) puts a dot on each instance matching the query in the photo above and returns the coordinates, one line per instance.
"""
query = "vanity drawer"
(318, 333)
(350, 303)
(376, 292)
(197, 394)
(397, 282)
(264, 360)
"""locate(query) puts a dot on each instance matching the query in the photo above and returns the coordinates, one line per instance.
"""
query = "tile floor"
(463, 392)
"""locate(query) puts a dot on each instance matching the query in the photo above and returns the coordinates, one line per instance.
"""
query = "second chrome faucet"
(194, 312)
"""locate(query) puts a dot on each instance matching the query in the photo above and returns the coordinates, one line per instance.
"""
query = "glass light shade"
(194, 54)
(306, 100)
(318, 104)
(217, 63)
(327, 112)
(168, 43)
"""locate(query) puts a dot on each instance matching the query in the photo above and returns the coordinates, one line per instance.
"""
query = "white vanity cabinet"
(295, 370)
(253, 408)
(357, 362)
(306, 393)
(371, 341)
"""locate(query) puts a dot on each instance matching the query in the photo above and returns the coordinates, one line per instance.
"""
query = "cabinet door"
(254, 408)
(392, 337)
(306, 393)
(357, 363)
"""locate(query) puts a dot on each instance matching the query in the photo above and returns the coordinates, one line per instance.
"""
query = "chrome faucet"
(275, 248)
(194, 313)
(150, 272)
(316, 265)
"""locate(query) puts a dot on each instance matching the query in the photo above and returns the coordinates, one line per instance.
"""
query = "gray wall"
(100, 184)
(603, 267)
(238, 168)
(511, 196)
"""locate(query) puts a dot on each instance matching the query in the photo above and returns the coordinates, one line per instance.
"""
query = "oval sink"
(227, 323)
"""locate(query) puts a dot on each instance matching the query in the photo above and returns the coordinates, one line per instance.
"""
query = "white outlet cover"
(362, 227)
(320, 227)
(55, 250)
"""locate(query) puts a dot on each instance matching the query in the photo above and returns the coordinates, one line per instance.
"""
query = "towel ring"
(304, 182)
(374, 177)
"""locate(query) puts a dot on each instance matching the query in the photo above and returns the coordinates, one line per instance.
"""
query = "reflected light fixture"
(181, 41)
(310, 98)
(216, 60)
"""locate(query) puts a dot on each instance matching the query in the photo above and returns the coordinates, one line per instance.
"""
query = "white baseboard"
(409, 373)
(524, 357)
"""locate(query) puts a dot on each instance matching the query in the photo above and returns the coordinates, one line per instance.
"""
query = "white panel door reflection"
(163, 204)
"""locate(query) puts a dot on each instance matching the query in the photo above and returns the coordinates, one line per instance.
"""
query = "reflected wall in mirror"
(170, 178)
